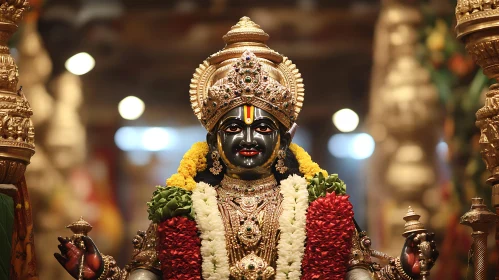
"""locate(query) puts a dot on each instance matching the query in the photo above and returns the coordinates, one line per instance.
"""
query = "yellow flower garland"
(307, 167)
(194, 161)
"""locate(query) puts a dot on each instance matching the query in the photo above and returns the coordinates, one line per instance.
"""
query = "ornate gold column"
(16, 145)
(478, 27)
(16, 129)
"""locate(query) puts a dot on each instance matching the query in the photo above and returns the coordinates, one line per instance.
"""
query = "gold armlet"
(401, 271)
(144, 254)
(360, 256)
(393, 271)
(111, 270)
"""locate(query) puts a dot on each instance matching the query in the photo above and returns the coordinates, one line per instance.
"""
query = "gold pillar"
(16, 145)
(16, 129)
(478, 27)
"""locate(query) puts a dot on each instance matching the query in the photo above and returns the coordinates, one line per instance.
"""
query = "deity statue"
(248, 203)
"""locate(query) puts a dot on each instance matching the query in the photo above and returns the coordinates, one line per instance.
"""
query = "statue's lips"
(248, 153)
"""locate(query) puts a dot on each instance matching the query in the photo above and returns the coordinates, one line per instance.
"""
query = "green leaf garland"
(319, 186)
(168, 202)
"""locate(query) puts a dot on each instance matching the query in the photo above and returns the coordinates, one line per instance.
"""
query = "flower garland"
(213, 247)
(193, 161)
(307, 167)
(329, 234)
(179, 250)
(329, 225)
(292, 221)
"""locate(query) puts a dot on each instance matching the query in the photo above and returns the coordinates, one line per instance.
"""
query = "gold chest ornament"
(250, 211)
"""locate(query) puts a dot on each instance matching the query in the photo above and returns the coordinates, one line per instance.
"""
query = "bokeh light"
(80, 63)
(354, 145)
(155, 139)
(131, 108)
(346, 120)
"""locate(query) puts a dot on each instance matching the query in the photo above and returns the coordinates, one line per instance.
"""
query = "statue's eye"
(233, 128)
(264, 129)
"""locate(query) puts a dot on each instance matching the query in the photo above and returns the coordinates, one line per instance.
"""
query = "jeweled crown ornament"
(248, 72)
(16, 129)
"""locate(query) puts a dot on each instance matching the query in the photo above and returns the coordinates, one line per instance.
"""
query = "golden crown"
(248, 72)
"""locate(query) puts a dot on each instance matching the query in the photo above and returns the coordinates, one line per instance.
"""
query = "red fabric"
(179, 249)
(23, 259)
(330, 229)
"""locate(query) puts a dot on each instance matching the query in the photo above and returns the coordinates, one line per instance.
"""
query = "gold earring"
(217, 167)
(280, 167)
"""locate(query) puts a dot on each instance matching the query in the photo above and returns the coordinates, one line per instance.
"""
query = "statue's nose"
(248, 140)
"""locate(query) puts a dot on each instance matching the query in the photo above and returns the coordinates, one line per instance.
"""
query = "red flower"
(330, 229)
(179, 249)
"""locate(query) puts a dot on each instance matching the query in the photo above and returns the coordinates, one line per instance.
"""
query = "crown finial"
(245, 31)
(412, 223)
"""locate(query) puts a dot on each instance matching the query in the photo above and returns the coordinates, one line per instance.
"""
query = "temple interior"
(390, 102)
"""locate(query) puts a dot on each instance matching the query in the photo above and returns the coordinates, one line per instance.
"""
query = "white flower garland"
(291, 246)
(215, 258)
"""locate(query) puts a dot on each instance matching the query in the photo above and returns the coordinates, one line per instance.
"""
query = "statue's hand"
(416, 246)
(70, 258)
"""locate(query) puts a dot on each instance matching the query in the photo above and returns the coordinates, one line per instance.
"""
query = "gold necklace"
(250, 211)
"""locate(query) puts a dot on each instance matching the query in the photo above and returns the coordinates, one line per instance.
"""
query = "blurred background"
(390, 103)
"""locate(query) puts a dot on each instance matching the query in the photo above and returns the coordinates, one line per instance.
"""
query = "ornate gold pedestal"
(478, 27)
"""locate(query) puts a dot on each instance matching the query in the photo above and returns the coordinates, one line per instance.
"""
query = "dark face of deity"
(248, 139)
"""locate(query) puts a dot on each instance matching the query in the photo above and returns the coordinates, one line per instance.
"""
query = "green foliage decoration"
(168, 202)
(319, 186)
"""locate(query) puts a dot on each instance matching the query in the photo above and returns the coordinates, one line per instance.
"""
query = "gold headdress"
(246, 71)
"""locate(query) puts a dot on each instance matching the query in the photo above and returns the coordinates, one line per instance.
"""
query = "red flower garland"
(179, 249)
(330, 229)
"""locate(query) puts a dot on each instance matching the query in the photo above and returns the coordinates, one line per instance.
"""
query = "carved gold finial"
(245, 35)
(80, 228)
(245, 30)
(479, 217)
(412, 223)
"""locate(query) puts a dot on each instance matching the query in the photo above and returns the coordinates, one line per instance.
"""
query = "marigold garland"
(307, 167)
(330, 229)
(193, 161)
(180, 249)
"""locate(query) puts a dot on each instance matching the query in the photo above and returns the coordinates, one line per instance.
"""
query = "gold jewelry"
(250, 211)
(401, 271)
(217, 167)
(104, 275)
(248, 72)
(280, 167)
